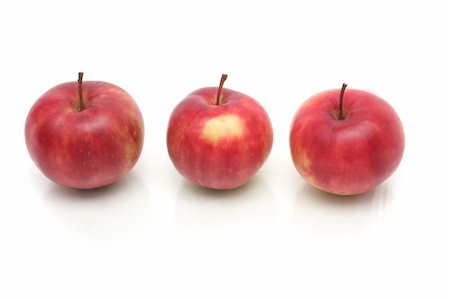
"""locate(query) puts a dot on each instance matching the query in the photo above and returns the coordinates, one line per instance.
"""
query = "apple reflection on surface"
(113, 211)
(199, 208)
(320, 213)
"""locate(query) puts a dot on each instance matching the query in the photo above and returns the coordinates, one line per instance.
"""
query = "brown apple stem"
(80, 91)
(219, 91)
(341, 100)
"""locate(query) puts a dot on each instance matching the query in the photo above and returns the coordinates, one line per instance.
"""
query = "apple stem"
(219, 91)
(80, 91)
(341, 100)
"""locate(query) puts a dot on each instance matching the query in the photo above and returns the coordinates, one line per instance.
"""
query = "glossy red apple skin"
(89, 148)
(219, 146)
(351, 155)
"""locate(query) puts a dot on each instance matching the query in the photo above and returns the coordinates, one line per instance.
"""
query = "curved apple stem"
(219, 91)
(80, 91)
(341, 100)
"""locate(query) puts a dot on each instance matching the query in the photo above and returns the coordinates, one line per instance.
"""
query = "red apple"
(219, 138)
(85, 134)
(346, 144)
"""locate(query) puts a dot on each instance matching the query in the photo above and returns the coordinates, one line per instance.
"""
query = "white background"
(154, 235)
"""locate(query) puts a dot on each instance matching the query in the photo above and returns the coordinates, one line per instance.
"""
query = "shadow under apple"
(103, 213)
(200, 208)
(317, 212)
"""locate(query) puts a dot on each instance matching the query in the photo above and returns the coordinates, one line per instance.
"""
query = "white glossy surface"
(153, 235)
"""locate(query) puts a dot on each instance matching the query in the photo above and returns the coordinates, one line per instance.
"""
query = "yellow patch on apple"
(305, 162)
(224, 126)
(311, 180)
